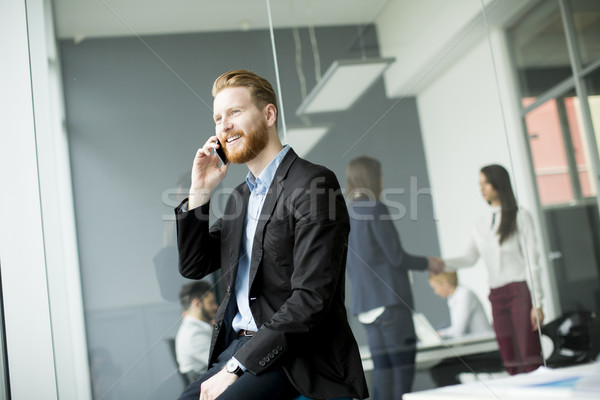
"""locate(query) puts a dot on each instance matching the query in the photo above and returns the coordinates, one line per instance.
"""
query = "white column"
(47, 354)
(24, 284)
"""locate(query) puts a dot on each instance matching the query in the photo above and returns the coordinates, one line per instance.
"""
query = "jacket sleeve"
(320, 246)
(467, 259)
(386, 235)
(199, 247)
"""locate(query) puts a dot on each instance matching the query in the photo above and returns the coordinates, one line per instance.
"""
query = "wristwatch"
(233, 367)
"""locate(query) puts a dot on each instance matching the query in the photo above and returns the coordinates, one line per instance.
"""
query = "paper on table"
(589, 383)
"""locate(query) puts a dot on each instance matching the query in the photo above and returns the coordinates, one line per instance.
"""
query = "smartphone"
(221, 153)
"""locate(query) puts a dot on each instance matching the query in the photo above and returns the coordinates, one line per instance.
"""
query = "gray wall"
(136, 113)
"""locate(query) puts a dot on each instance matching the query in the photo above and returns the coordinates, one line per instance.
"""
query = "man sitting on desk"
(281, 329)
(467, 317)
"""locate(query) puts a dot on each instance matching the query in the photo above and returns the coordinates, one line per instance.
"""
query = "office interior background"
(105, 102)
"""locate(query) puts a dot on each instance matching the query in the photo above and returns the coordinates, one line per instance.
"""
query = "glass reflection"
(563, 154)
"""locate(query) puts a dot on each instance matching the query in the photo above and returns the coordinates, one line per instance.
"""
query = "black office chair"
(186, 379)
(570, 334)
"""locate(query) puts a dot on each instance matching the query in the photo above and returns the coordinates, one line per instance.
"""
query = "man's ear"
(195, 303)
(271, 114)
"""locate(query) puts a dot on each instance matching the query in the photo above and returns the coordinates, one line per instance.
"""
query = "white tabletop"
(577, 382)
(430, 354)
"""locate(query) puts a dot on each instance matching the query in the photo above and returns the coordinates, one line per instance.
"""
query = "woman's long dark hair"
(498, 177)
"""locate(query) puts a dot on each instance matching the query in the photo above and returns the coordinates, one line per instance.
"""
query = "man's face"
(240, 126)
(209, 306)
(442, 289)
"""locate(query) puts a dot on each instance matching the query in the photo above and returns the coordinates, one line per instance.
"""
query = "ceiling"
(80, 19)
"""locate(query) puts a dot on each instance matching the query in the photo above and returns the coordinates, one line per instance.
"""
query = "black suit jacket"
(296, 279)
(374, 241)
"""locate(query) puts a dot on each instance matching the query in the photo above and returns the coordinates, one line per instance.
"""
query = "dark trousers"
(272, 384)
(519, 345)
(446, 373)
(392, 344)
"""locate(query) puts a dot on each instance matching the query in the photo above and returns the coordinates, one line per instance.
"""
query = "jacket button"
(271, 355)
(228, 289)
(262, 363)
(216, 326)
(279, 348)
(275, 351)
(266, 359)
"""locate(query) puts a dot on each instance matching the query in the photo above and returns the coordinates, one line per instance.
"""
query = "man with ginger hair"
(281, 329)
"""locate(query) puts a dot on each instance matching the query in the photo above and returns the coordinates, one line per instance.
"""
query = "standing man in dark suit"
(282, 327)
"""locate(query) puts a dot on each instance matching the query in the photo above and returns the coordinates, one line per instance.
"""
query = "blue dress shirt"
(258, 191)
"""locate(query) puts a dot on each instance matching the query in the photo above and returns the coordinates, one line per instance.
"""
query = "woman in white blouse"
(504, 238)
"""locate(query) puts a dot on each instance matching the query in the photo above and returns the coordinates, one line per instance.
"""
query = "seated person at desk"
(467, 317)
(192, 342)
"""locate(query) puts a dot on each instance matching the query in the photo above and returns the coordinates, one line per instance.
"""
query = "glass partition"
(138, 106)
(432, 121)
(561, 134)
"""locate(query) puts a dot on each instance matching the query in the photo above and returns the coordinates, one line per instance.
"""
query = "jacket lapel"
(237, 229)
(273, 195)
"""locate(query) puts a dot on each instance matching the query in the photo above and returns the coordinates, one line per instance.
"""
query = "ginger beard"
(255, 142)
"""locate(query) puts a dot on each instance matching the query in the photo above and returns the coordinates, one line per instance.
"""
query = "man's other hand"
(216, 385)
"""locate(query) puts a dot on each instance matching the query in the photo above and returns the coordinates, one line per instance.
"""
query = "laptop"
(426, 333)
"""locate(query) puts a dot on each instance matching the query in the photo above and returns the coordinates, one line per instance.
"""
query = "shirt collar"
(264, 180)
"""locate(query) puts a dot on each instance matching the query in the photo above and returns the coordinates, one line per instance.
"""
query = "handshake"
(435, 265)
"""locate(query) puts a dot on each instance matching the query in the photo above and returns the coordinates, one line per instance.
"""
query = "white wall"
(428, 36)
(416, 32)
